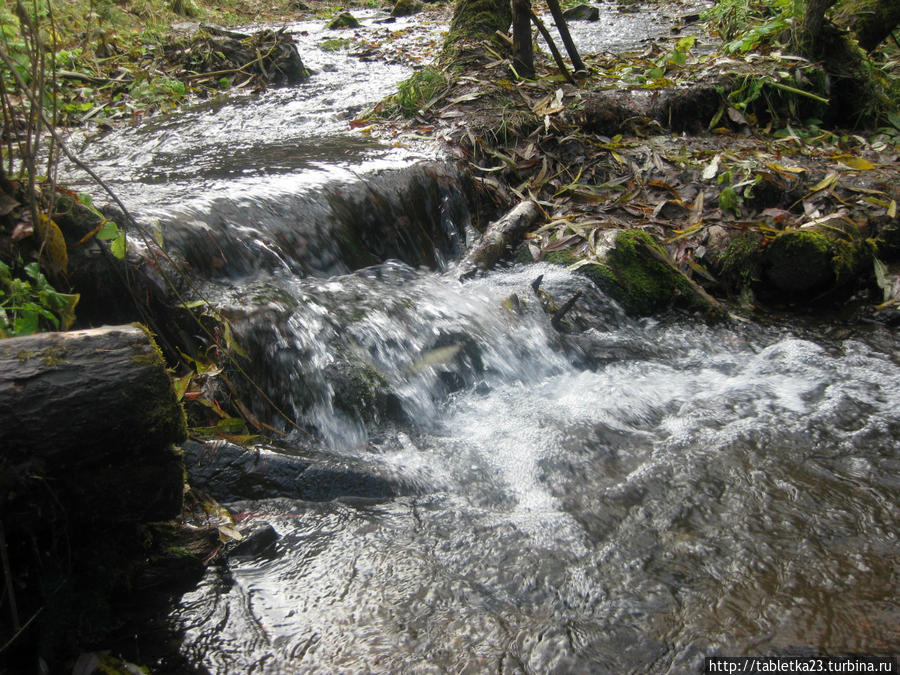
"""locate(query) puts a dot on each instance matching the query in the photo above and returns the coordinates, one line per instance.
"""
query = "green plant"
(418, 90)
(747, 24)
(32, 304)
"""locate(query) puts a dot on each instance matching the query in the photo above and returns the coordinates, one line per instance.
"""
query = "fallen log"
(92, 414)
(499, 235)
(88, 476)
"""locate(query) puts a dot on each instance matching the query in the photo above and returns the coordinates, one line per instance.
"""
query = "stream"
(476, 490)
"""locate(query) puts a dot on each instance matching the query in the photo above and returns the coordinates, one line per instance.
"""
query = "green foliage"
(747, 25)
(32, 304)
(158, 92)
(418, 90)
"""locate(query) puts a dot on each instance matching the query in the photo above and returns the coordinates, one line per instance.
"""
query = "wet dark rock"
(229, 473)
(416, 214)
(258, 542)
(582, 13)
(175, 556)
(360, 392)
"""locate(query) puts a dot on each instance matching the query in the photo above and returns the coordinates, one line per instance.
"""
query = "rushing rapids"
(485, 492)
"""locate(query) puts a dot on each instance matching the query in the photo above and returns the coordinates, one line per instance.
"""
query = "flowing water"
(486, 492)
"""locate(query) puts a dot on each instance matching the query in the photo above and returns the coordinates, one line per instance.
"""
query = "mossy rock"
(636, 275)
(359, 391)
(406, 8)
(802, 263)
(343, 20)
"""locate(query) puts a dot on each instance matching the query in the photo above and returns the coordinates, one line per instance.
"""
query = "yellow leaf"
(892, 209)
(858, 164)
(781, 168)
(53, 243)
(825, 183)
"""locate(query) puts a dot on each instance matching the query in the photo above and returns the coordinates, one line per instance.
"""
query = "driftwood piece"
(499, 235)
(91, 414)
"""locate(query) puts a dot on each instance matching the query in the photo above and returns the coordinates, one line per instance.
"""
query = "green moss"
(53, 356)
(564, 258)
(334, 45)
(406, 8)
(343, 20)
(644, 282)
(799, 262)
(850, 257)
(477, 20)
(418, 89)
(738, 265)
(165, 416)
(636, 275)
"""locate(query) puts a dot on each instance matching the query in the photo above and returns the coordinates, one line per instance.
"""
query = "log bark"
(870, 21)
(93, 415)
(499, 235)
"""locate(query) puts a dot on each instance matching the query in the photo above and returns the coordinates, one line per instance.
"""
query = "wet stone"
(582, 13)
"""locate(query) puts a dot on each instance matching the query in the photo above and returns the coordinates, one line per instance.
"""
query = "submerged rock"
(229, 473)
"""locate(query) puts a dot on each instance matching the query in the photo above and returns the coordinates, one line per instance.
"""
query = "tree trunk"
(870, 21)
(563, 29)
(523, 50)
(476, 19)
(810, 37)
(853, 93)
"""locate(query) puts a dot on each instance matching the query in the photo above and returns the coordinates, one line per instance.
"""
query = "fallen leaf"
(857, 164)
(829, 181)
(712, 168)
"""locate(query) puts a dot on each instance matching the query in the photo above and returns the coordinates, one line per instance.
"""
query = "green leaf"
(686, 44)
(26, 324)
(108, 231)
(119, 246)
(181, 385)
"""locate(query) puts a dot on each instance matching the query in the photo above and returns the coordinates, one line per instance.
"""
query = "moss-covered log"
(81, 396)
(88, 423)
(91, 416)
(870, 21)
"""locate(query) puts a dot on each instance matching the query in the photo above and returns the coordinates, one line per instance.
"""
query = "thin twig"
(553, 50)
